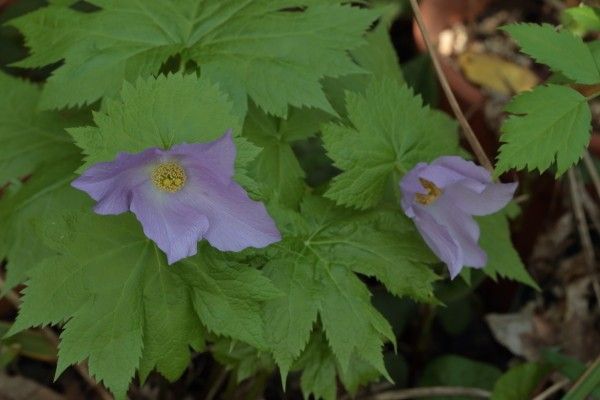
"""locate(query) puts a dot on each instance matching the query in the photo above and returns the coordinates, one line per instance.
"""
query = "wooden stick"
(552, 389)
(591, 168)
(460, 116)
(583, 228)
(435, 391)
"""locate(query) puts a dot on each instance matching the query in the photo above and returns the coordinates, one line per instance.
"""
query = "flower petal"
(465, 168)
(235, 221)
(443, 178)
(410, 186)
(217, 156)
(463, 228)
(439, 240)
(495, 197)
(110, 183)
(170, 219)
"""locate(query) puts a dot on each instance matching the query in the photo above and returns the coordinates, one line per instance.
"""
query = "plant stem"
(467, 130)
(582, 227)
(586, 383)
(592, 171)
(436, 391)
(552, 389)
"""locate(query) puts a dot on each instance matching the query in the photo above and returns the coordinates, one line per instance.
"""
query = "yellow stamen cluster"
(169, 176)
(433, 193)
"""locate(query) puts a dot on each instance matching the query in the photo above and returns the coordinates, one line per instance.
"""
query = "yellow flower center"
(169, 177)
(433, 193)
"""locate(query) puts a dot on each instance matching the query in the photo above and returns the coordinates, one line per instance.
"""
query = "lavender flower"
(181, 196)
(442, 197)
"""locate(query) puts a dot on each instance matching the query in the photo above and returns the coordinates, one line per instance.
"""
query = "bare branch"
(435, 391)
(468, 131)
(582, 226)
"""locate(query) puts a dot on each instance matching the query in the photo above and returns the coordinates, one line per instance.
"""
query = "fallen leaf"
(495, 73)
(508, 329)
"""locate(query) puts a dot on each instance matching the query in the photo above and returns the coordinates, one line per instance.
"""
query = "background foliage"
(325, 125)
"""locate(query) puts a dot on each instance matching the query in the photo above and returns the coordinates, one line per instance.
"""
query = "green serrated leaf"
(519, 382)
(49, 32)
(315, 267)
(346, 300)
(228, 297)
(392, 131)
(563, 51)
(451, 370)
(378, 55)
(28, 137)
(276, 166)
(245, 360)
(126, 309)
(22, 210)
(581, 19)
(503, 259)
(549, 124)
(319, 368)
(319, 371)
(158, 112)
(274, 51)
(291, 317)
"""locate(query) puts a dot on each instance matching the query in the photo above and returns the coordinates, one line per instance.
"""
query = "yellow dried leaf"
(495, 73)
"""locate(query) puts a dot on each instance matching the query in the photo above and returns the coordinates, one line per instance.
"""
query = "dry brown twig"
(460, 116)
(415, 393)
(587, 373)
(552, 389)
(575, 189)
(53, 338)
(592, 171)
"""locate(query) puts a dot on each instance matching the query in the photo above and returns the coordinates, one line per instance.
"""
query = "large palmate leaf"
(320, 370)
(160, 112)
(22, 209)
(316, 268)
(391, 131)
(28, 137)
(274, 51)
(276, 166)
(126, 309)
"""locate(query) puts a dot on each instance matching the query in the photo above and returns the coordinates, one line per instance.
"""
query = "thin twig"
(591, 209)
(582, 227)
(435, 391)
(13, 298)
(556, 4)
(214, 389)
(552, 389)
(587, 373)
(592, 171)
(468, 131)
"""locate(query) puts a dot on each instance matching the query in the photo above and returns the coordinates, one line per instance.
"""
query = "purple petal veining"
(181, 196)
(442, 197)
